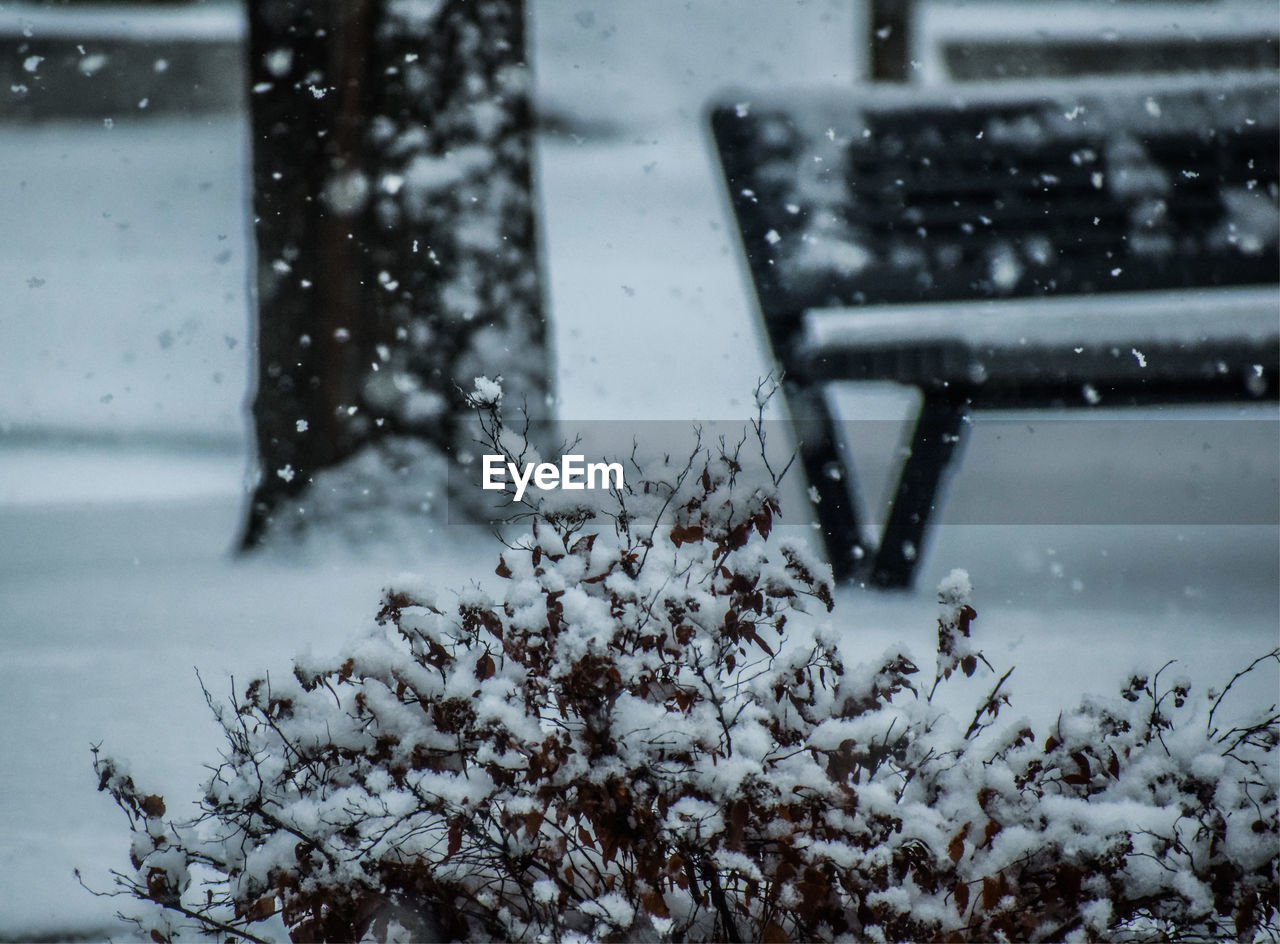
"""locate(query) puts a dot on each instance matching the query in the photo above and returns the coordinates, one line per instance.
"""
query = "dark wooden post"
(890, 39)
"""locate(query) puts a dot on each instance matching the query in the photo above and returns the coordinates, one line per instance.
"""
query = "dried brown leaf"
(153, 806)
(955, 848)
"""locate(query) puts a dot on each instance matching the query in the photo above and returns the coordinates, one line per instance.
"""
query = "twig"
(989, 705)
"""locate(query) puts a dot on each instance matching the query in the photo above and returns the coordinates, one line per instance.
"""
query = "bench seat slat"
(1151, 347)
(1187, 316)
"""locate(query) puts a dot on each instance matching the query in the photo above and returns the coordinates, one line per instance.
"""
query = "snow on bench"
(1156, 346)
(1104, 242)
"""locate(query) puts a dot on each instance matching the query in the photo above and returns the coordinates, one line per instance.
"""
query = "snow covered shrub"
(652, 733)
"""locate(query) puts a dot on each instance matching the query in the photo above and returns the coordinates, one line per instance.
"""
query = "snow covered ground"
(123, 330)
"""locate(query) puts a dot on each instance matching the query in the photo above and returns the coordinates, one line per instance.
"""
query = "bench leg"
(831, 476)
(937, 432)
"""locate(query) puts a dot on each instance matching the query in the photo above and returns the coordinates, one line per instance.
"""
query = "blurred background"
(127, 363)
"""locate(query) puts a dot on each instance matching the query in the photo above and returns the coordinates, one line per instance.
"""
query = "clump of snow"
(426, 175)
(954, 593)
(486, 393)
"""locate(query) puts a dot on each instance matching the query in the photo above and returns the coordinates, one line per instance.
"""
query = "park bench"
(1022, 246)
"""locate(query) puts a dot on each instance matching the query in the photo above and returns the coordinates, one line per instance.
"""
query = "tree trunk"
(396, 244)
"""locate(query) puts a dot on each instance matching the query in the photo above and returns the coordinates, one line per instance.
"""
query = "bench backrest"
(875, 197)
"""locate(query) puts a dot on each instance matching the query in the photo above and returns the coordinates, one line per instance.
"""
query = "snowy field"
(123, 446)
